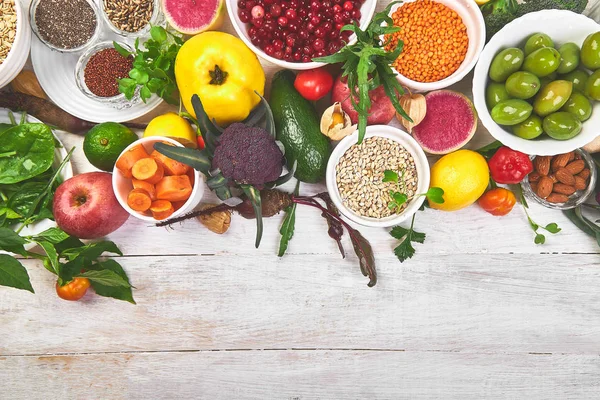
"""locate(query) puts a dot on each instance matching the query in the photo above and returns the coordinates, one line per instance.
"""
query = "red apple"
(382, 110)
(85, 206)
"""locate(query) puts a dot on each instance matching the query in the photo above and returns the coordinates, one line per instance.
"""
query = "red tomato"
(498, 201)
(313, 84)
(73, 290)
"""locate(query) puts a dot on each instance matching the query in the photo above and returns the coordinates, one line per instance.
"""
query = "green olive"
(522, 85)
(578, 105)
(542, 62)
(562, 125)
(570, 53)
(511, 112)
(592, 86)
(579, 78)
(530, 128)
(505, 63)
(590, 51)
(552, 97)
(495, 93)
(537, 41)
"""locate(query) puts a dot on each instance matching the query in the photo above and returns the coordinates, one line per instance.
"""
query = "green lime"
(105, 142)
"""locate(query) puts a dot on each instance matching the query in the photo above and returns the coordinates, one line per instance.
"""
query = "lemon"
(463, 175)
(105, 142)
(173, 126)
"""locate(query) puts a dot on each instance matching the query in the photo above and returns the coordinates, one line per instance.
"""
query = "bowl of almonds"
(15, 39)
(380, 182)
(563, 181)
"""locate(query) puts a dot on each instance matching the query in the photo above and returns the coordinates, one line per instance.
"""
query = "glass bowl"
(93, 38)
(119, 101)
(575, 199)
(157, 19)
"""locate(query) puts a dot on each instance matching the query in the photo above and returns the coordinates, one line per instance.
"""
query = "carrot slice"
(139, 200)
(174, 188)
(161, 209)
(148, 187)
(147, 169)
(192, 175)
(178, 204)
(129, 158)
(171, 166)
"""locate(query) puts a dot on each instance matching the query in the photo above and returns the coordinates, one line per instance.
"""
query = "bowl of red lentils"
(99, 70)
(442, 42)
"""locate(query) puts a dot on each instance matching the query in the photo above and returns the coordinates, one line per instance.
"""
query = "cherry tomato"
(73, 290)
(498, 201)
(313, 84)
(201, 144)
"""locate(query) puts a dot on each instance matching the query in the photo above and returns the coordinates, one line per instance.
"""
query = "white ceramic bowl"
(367, 11)
(122, 186)
(19, 52)
(410, 145)
(473, 20)
(562, 27)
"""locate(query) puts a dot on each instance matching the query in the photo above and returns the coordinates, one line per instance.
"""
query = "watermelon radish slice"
(191, 17)
(449, 124)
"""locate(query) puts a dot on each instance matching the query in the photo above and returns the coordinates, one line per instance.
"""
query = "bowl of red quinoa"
(98, 71)
(355, 175)
(15, 39)
(67, 26)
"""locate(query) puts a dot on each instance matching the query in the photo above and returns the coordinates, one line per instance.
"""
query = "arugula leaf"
(14, 274)
(405, 250)
(288, 225)
(116, 292)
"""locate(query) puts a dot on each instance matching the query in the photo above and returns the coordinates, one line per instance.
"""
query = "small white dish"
(17, 56)
(562, 27)
(421, 163)
(67, 172)
(367, 11)
(122, 185)
(471, 15)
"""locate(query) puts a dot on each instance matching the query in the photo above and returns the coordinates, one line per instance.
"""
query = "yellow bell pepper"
(223, 72)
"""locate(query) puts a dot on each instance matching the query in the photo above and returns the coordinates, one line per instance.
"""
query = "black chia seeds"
(65, 24)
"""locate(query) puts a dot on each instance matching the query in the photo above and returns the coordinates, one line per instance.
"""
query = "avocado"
(297, 126)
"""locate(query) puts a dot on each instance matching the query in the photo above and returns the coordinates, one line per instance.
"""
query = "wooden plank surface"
(480, 312)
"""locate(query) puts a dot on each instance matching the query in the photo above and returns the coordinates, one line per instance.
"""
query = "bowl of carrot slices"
(153, 187)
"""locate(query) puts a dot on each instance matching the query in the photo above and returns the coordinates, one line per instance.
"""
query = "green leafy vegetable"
(288, 225)
(153, 67)
(584, 223)
(399, 198)
(552, 227)
(405, 250)
(253, 195)
(367, 65)
(13, 273)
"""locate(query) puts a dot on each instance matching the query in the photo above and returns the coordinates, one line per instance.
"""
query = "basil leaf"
(52, 235)
(116, 292)
(12, 242)
(51, 254)
(14, 274)
(105, 277)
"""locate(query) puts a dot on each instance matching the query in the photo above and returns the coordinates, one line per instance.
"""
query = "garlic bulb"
(335, 123)
(415, 106)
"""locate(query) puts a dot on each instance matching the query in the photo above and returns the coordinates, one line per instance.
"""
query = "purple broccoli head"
(248, 155)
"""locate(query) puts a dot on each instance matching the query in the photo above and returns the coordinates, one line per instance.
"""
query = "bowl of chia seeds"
(356, 172)
(15, 39)
(131, 18)
(98, 71)
(67, 26)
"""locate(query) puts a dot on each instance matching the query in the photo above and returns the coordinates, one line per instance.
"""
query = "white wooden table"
(480, 312)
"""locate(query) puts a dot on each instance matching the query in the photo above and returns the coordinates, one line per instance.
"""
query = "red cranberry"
(244, 16)
(258, 12)
(292, 26)
(250, 4)
(320, 54)
(348, 6)
(269, 49)
(241, 4)
(315, 20)
(277, 44)
(291, 13)
(356, 14)
(339, 26)
(306, 59)
(319, 44)
(337, 9)
(291, 40)
(275, 10)
(304, 34)
(278, 54)
(282, 21)
(297, 56)
(347, 15)
(258, 22)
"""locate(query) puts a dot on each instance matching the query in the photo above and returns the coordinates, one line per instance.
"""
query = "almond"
(585, 174)
(580, 183)
(564, 176)
(542, 164)
(575, 167)
(533, 187)
(571, 156)
(577, 156)
(544, 187)
(561, 188)
(553, 177)
(534, 177)
(557, 198)
(560, 161)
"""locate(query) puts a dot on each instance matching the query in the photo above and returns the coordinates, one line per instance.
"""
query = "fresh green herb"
(552, 227)
(405, 250)
(288, 225)
(489, 150)
(367, 65)
(68, 258)
(153, 67)
(399, 197)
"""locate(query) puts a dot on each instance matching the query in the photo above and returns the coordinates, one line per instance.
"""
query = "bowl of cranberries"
(290, 33)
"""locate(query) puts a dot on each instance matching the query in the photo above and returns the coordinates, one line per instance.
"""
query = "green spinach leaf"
(25, 151)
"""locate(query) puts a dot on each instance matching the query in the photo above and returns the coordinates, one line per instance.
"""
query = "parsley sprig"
(399, 197)
(153, 67)
(367, 65)
(551, 227)
(405, 250)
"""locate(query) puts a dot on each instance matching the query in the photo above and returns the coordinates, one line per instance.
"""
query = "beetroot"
(450, 122)
(382, 110)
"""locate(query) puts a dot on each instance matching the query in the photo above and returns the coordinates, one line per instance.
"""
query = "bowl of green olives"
(536, 87)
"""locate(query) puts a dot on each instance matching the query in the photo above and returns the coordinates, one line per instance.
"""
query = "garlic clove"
(335, 123)
(415, 105)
